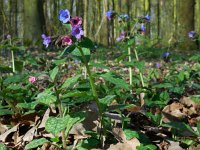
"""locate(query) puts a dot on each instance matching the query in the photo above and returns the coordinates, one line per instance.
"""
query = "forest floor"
(165, 114)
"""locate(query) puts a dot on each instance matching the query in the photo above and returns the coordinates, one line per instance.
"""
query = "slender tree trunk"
(85, 16)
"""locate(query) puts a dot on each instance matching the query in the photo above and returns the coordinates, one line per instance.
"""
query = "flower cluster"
(76, 24)
(77, 30)
(140, 24)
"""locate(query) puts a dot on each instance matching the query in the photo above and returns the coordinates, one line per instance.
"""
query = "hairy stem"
(94, 92)
(59, 105)
(141, 76)
(130, 68)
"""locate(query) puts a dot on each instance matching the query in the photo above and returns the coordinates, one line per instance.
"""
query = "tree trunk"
(32, 27)
(185, 23)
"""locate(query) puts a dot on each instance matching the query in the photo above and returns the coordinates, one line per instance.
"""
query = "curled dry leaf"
(174, 112)
(4, 136)
(3, 128)
(193, 107)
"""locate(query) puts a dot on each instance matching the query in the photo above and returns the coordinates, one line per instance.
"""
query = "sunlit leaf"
(53, 73)
(70, 81)
(35, 143)
(46, 97)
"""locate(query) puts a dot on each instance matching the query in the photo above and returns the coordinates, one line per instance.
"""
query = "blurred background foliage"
(171, 20)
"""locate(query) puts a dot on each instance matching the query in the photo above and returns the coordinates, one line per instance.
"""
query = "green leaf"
(68, 50)
(131, 134)
(198, 127)
(55, 125)
(139, 64)
(72, 120)
(86, 43)
(131, 41)
(73, 94)
(163, 85)
(106, 101)
(77, 54)
(70, 81)
(187, 142)
(180, 126)
(151, 147)
(120, 83)
(5, 69)
(146, 147)
(19, 65)
(29, 106)
(59, 61)
(5, 112)
(46, 97)
(164, 96)
(35, 143)
(3, 147)
(53, 73)
(134, 134)
(14, 79)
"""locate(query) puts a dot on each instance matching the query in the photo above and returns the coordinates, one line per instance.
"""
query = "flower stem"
(13, 57)
(141, 76)
(94, 92)
(59, 105)
(130, 68)
(13, 61)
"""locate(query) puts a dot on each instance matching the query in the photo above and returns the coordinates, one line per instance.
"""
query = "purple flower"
(192, 34)
(8, 36)
(158, 65)
(46, 40)
(66, 40)
(147, 18)
(76, 21)
(118, 39)
(121, 37)
(70, 67)
(77, 31)
(64, 16)
(142, 28)
(109, 15)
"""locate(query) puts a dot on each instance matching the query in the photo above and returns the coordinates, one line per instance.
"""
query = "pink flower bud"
(32, 79)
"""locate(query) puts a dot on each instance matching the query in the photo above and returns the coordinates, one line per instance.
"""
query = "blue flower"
(166, 55)
(64, 16)
(147, 18)
(77, 31)
(109, 15)
(192, 34)
(142, 27)
(46, 40)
